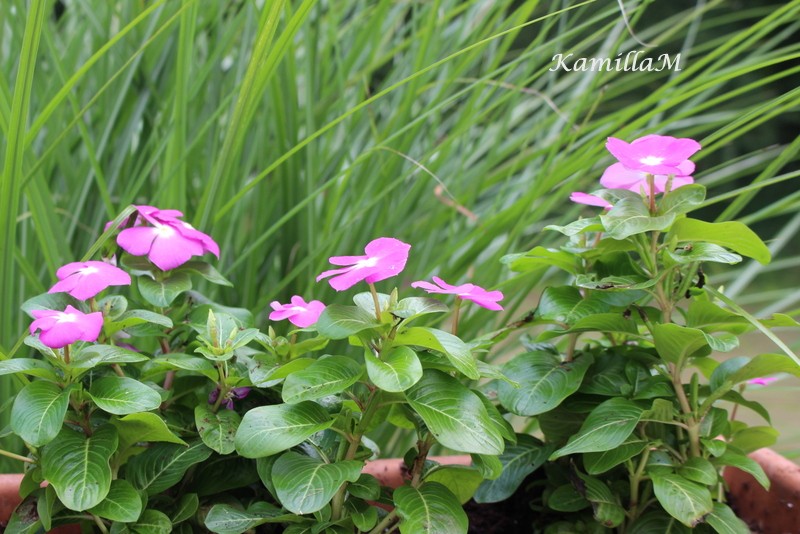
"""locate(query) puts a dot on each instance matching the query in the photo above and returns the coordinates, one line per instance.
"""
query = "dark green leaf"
(698, 252)
(413, 307)
(304, 485)
(541, 258)
(152, 522)
(566, 498)
(632, 216)
(38, 412)
(518, 462)
(206, 270)
(600, 462)
(161, 293)
(684, 500)
(456, 351)
(605, 505)
(366, 487)
(462, 481)
(185, 508)
(217, 430)
(341, 322)
(90, 356)
(544, 381)
(743, 463)
(163, 465)
(396, 370)
(121, 395)
(606, 427)
(143, 427)
(225, 519)
(698, 470)
(267, 430)
(724, 520)
(326, 376)
(28, 366)
(78, 466)
(733, 235)
(429, 509)
(122, 503)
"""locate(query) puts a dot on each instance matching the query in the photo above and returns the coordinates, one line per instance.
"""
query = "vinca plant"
(149, 408)
(636, 416)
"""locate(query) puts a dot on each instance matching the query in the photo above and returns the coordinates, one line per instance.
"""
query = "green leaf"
(122, 503)
(456, 351)
(697, 252)
(606, 427)
(326, 376)
(78, 466)
(683, 199)
(185, 362)
(733, 235)
(206, 270)
(217, 430)
(225, 519)
(698, 470)
(596, 463)
(143, 427)
(600, 322)
(267, 430)
(185, 508)
(366, 302)
(657, 522)
(518, 462)
(28, 366)
(461, 480)
(363, 515)
(740, 369)
(743, 463)
(90, 356)
(684, 500)
(366, 487)
(152, 522)
(565, 304)
(490, 466)
(135, 318)
(412, 307)
(541, 258)
(161, 293)
(676, 343)
(724, 520)
(429, 509)
(163, 465)
(341, 322)
(38, 412)
(632, 216)
(592, 224)
(454, 414)
(121, 395)
(753, 438)
(304, 485)
(605, 505)
(544, 381)
(396, 370)
(566, 498)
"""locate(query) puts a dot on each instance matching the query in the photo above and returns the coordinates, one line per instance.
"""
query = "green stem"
(100, 525)
(651, 184)
(376, 301)
(370, 407)
(423, 447)
(636, 479)
(380, 527)
(16, 456)
(693, 426)
(66, 354)
(456, 311)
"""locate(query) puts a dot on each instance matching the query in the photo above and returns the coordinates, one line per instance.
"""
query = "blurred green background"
(294, 130)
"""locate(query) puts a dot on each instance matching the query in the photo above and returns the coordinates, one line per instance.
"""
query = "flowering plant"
(162, 410)
(633, 413)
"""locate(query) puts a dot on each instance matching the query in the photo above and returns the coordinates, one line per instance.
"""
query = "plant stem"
(692, 425)
(375, 300)
(100, 524)
(370, 407)
(651, 184)
(66, 354)
(456, 311)
(16, 456)
(380, 527)
(635, 480)
(423, 447)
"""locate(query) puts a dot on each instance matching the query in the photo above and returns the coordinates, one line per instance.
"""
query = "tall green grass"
(293, 130)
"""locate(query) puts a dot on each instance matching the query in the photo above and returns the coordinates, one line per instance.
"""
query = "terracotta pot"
(392, 472)
(10, 499)
(776, 511)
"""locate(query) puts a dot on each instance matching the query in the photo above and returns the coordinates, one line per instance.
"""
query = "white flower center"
(67, 318)
(651, 160)
(369, 262)
(298, 309)
(164, 231)
(87, 270)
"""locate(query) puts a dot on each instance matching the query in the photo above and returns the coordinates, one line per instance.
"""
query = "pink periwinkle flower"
(763, 381)
(167, 241)
(83, 280)
(233, 394)
(655, 154)
(590, 200)
(62, 328)
(478, 295)
(385, 257)
(299, 312)
(618, 176)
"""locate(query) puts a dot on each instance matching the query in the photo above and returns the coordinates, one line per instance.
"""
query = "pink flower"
(84, 280)
(590, 200)
(234, 393)
(763, 381)
(167, 242)
(299, 312)
(478, 295)
(385, 258)
(59, 329)
(655, 154)
(618, 176)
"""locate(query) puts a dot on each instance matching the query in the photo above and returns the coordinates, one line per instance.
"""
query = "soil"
(510, 516)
